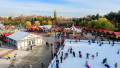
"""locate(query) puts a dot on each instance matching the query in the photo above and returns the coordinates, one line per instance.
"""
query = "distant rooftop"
(18, 35)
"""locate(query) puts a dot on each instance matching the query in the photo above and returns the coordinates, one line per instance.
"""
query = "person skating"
(71, 50)
(57, 63)
(73, 53)
(87, 56)
(76, 40)
(80, 55)
(109, 42)
(118, 51)
(106, 64)
(97, 41)
(70, 41)
(97, 54)
(89, 42)
(86, 64)
(61, 58)
(104, 60)
(62, 54)
(66, 55)
(116, 65)
(8, 56)
(112, 44)
(92, 56)
(79, 39)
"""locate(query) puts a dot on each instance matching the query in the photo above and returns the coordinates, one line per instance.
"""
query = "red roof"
(117, 33)
(100, 30)
(82, 27)
(111, 32)
(96, 29)
(6, 34)
(85, 27)
(32, 27)
(105, 31)
(37, 28)
(61, 27)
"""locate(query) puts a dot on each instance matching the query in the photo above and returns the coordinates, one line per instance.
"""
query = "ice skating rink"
(105, 51)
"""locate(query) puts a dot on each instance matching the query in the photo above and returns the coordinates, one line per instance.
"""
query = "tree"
(101, 23)
(37, 23)
(10, 18)
(97, 16)
(55, 15)
(28, 23)
(49, 22)
(44, 22)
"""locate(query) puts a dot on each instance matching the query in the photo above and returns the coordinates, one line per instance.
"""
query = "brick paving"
(4, 54)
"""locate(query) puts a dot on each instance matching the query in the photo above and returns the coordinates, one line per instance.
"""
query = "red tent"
(82, 27)
(85, 27)
(61, 27)
(111, 32)
(117, 33)
(6, 34)
(100, 30)
(105, 31)
(91, 28)
(37, 28)
(96, 29)
(32, 27)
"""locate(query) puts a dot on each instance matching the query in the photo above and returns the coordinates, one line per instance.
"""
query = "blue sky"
(71, 8)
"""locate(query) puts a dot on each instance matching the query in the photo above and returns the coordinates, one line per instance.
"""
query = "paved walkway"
(4, 54)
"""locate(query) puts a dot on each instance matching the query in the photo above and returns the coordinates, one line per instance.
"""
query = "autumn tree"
(49, 22)
(37, 23)
(28, 23)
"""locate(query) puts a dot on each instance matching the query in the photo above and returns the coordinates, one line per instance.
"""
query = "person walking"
(42, 65)
(116, 65)
(8, 56)
(15, 56)
(31, 47)
(61, 58)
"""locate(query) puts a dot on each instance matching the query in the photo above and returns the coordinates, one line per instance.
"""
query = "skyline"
(70, 8)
